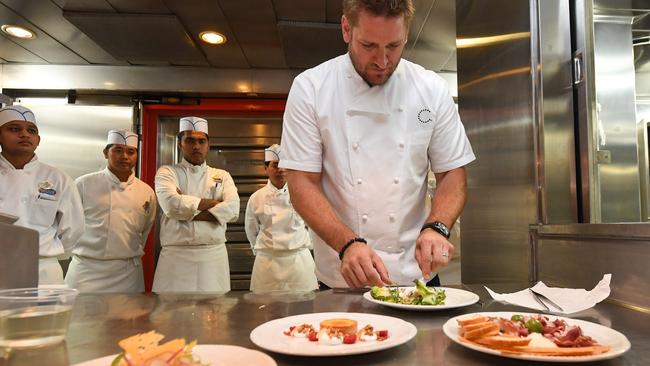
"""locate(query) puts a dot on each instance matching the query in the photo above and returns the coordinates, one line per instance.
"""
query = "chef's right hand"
(361, 267)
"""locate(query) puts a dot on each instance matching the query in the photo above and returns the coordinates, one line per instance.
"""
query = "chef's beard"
(362, 69)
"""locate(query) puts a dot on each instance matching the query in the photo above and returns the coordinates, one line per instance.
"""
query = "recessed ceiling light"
(18, 32)
(212, 37)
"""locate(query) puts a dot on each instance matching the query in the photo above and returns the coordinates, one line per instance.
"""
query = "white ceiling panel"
(42, 45)
(254, 24)
(12, 52)
(200, 15)
(140, 38)
(301, 11)
(48, 16)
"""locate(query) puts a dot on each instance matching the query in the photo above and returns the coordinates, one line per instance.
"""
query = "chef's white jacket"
(46, 200)
(118, 216)
(280, 240)
(194, 256)
(374, 147)
(195, 182)
(272, 223)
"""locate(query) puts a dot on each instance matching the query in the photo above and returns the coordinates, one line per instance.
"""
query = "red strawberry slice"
(350, 339)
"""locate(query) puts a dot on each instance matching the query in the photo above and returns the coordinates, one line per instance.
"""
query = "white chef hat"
(193, 124)
(272, 153)
(16, 113)
(122, 137)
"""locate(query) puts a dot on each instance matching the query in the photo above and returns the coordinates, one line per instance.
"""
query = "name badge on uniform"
(146, 207)
(217, 182)
(46, 190)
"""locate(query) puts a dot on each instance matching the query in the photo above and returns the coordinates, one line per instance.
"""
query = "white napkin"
(572, 300)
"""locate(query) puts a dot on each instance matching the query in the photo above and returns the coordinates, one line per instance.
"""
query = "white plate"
(270, 335)
(455, 298)
(214, 354)
(603, 335)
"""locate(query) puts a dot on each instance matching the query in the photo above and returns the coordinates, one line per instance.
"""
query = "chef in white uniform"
(197, 202)
(120, 210)
(278, 235)
(360, 133)
(43, 197)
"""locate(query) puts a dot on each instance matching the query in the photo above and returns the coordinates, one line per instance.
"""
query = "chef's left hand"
(432, 251)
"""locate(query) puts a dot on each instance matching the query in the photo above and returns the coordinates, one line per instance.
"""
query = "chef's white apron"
(113, 275)
(285, 270)
(200, 268)
(49, 271)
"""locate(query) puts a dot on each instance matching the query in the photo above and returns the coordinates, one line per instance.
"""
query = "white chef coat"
(373, 147)
(119, 216)
(280, 240)
(193, 256)
(46, 200)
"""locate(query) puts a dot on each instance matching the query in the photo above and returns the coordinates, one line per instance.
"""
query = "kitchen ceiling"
(262, 34)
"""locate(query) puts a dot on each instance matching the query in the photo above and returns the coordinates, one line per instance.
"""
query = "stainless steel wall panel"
(73, 136)
(514, 88)
(579, 256)
(432, 45)
(643, 152)
(585, 105)
(557, 173)
(494, 255)
(495, 104)
(642, 69)
(616, 120)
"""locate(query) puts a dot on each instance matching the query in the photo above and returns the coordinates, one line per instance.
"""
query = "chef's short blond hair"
(385, 8)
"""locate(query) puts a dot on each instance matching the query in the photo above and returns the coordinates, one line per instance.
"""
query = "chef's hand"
(432, 251)
(361, 267)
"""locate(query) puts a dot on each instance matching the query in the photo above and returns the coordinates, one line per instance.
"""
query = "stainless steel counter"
(99, 321)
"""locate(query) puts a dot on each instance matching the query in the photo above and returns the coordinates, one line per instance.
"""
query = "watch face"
(442, 229)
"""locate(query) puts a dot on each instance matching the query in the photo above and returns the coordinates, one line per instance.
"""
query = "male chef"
(120, 210)
(278, 235)
(43, 197)
(197, 201)
(360, 133)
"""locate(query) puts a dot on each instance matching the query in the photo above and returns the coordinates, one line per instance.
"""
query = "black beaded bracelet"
(350, 242)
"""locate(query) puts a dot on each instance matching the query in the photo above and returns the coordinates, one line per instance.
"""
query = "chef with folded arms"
(278, 235)
(44, 198)
(197, 201)
(360, 134)
(120, 210)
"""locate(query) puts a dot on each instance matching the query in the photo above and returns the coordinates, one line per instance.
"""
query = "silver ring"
(445, 254)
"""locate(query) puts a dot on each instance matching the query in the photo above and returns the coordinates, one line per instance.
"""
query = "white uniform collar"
(275, 189)
(5, 164)
(193, 168)
(116, 181)
(364, 98)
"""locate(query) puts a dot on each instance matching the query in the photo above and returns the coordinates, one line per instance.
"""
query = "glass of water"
(34, 317)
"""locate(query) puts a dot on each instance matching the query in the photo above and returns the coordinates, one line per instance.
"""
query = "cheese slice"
(144, 346)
